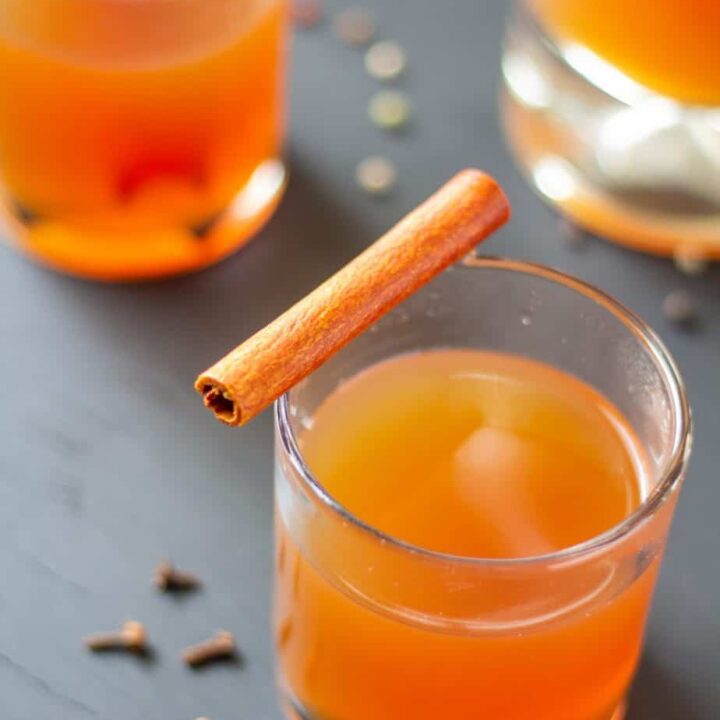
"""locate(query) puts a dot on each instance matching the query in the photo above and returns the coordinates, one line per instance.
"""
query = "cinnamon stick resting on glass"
(441, 231)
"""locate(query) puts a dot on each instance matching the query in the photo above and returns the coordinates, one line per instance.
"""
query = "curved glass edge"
(670, 475)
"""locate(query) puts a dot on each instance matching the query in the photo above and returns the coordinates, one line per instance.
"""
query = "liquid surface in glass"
(475, 454)
(669, 46)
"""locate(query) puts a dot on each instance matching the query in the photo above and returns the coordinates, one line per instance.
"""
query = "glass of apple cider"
(139, 138)
(472, 504)
(612, 107)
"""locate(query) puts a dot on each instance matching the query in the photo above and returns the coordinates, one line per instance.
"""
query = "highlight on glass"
(472, 504)
(139, 139)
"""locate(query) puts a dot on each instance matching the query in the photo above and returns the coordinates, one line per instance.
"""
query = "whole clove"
(679, 308)
(131, 637)
(306, 14)
(220, 646)
(355, 27)
(168, 578)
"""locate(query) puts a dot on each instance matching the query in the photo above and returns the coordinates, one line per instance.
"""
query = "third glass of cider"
(611, 109)
(472, 504)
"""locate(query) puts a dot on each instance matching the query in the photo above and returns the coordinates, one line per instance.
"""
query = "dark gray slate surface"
(107, 460)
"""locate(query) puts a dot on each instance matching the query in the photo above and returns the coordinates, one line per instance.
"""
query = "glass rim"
(670, 474)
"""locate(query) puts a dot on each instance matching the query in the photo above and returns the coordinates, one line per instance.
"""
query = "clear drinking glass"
(612, 109)
(139, 138)
(360, 616)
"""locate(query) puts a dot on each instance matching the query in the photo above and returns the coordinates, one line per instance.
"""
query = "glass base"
(294, 710)
(625, 163)
(122, 255)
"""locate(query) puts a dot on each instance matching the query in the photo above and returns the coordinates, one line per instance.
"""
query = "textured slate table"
(107, 460)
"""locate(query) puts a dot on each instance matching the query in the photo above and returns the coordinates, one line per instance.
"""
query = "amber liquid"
(669, 46)
(479, 455)
(129, 129)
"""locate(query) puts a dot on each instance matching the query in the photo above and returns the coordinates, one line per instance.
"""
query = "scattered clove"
(376, 175)
(307, 14)
(131, 638)
(385, 60)
(168, 578)
(678, 307)
(219, 647)
(389, 109)
(355, 27)
(689, 261)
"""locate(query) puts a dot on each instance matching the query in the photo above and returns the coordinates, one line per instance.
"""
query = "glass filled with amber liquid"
(613, 111)
(472, 505)
(139, 138)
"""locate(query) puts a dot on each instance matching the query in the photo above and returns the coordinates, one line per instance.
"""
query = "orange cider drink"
(465, 533)
(610, 108)
(139, 138)
(669, 46)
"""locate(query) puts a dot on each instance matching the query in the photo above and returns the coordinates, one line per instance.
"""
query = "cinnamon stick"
(441, 231)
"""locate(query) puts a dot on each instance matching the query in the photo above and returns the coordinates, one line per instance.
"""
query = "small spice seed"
(376, 175)
(168, 578)
(131, 637)
(678, 307)
(219, 647)
(690, 262)
(389, 109)
(307, 14)
(355, 27)
(385, 60)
